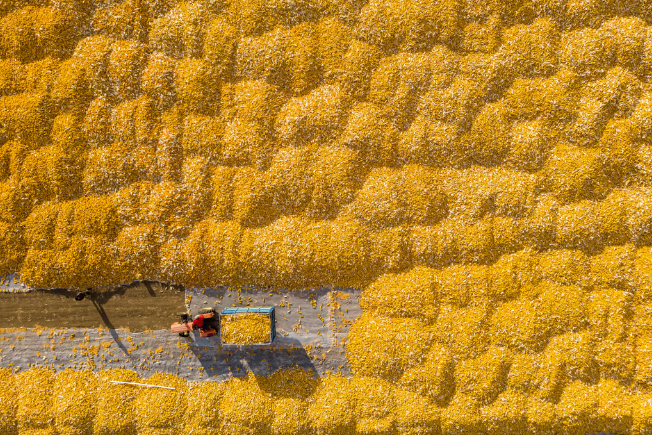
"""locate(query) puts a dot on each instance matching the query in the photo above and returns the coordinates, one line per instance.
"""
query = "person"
(81, 295)
(199, 322)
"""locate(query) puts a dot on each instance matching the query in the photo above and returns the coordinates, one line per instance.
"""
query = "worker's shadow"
(119, 290)
(238, 361)
(97, 301)
(106, 295)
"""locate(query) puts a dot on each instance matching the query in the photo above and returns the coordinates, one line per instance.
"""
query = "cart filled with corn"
(248, 325)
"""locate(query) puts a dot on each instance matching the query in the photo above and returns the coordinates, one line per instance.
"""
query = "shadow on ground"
(139, 306)
(231, 360)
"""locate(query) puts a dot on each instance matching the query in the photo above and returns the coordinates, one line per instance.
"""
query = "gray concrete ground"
(311, 328)
(159, 351)
(10, 283)
(318, 317)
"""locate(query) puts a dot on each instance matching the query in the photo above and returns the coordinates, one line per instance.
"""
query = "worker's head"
(198, 321)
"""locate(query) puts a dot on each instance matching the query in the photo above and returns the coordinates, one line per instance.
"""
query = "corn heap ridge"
(482, 169)
(245, 329)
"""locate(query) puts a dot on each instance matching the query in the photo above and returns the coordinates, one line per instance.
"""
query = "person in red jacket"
(198, 322)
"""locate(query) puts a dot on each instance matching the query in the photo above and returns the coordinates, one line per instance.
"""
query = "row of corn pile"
(481, 168)
(291, 402)
(135, 134)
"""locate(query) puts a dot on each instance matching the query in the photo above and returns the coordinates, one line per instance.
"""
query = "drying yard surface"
(149, 352)
(480, 170)
(138, 306)
(111, 331)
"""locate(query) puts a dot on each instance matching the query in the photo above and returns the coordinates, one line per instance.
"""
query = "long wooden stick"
(142, 385)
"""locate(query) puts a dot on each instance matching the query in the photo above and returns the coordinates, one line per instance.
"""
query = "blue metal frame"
(270, 311)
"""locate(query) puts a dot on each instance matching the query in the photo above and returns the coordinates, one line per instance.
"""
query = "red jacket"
(199, 321)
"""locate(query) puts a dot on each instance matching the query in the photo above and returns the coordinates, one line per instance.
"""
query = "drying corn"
(115, 409)
(8, 405)
(245, 329)
(481, 169)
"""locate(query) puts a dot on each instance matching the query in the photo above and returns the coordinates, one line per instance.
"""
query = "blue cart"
(269, 311)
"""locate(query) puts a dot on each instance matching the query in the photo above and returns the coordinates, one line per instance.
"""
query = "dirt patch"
(139, 307)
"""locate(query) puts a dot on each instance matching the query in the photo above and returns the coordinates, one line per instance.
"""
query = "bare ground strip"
(134, 332)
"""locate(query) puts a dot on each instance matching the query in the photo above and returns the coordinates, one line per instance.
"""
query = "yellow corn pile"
(35, 412)
(247, 328)
(74, 406)
(245, 407)
(169, 404)
(203, 419)
(292, 402)
(8, 423)
(480, 168)
(115, 408)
